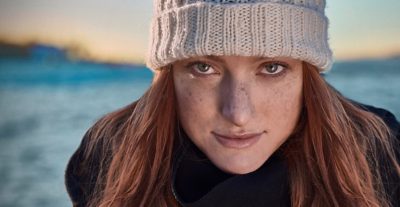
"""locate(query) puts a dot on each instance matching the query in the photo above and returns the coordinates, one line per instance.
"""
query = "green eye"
(202, 68)
(273, 68)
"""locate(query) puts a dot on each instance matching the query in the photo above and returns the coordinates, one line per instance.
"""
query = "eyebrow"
(216, 58)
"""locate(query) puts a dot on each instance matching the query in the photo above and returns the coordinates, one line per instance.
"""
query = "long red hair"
(334, 154)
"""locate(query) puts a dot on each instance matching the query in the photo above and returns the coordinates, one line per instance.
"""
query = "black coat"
(198, 183)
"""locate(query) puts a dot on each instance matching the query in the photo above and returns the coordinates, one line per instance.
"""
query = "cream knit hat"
(289, 28)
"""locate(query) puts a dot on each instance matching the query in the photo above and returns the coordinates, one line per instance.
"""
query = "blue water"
(45, 108)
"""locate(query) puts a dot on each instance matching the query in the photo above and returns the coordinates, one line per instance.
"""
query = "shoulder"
(388, 117)
(82, 172)
(392, 123)
(391, 179)
(90, 162)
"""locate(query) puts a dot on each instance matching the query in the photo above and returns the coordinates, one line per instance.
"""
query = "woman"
(239, 115)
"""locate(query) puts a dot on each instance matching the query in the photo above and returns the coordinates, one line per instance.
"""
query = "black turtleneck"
(197, 182)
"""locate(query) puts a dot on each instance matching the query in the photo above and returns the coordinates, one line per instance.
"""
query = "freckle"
(190, 93)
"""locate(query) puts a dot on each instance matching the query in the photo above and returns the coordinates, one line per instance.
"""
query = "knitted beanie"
(269, 28)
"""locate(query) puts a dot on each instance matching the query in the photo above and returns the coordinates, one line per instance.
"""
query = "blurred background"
(64, 64)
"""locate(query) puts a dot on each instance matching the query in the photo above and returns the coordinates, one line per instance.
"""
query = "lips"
(237, 141)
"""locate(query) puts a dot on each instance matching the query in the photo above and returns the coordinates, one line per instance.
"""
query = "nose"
(237, 106)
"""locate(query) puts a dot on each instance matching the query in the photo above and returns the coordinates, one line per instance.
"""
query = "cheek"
(194, 104)
(282, 105)
(290, 101)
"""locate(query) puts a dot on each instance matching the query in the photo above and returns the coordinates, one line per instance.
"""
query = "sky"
(118, 30)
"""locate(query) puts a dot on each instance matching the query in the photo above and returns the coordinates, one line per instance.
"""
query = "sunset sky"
(118, 29)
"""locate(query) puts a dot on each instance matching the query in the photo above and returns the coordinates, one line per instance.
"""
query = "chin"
(239, 169)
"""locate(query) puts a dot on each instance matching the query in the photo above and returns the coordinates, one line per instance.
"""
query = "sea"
(47, 106)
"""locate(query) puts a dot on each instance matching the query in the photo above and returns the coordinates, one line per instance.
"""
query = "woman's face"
(238, 110)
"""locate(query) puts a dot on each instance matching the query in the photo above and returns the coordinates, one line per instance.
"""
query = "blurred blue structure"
(45, 53)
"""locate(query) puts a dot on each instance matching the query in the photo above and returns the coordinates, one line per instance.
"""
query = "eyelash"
(283, 64)
(191, 64)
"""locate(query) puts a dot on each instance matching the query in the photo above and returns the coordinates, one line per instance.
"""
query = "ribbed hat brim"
(256, 29)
